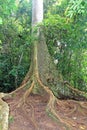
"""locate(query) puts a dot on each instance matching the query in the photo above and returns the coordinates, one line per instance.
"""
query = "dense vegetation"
(66, 36)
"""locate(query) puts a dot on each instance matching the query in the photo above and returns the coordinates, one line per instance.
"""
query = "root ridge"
(50, 108)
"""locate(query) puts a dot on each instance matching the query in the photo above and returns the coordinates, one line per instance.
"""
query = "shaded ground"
(32, 115)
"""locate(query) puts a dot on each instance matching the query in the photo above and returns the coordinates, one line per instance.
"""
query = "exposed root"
(22, 86)
(81, 107)
(32, 119)
(75, 90)
(80, 104)
(65, 122)
(71, 112)
(68, 124)
(23, 101)
(26, 94)
(4, 114)
(51, 107)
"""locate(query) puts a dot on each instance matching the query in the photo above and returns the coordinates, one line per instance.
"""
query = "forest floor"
(33, 116)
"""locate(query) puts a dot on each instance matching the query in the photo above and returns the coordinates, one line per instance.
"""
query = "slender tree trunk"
(42, 62)
(37, 11)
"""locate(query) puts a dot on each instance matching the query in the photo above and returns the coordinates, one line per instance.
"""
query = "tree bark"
(37, 11)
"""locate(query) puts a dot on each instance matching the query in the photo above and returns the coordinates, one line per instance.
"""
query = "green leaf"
(0, 20)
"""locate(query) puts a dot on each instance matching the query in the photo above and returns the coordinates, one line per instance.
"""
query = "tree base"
(29, 87)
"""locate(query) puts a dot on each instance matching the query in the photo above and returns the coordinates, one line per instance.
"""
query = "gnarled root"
(32, 119)
(29, 85)
(51, 108)
(74, 90)
(26, 94)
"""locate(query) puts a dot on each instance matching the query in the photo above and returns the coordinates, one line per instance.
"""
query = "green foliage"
(7, 8)
(0, 20)
(15, 42)
(48, 4)
(76, 8)
(67, 43)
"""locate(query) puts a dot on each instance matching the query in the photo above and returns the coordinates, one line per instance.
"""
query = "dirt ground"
(33, 116)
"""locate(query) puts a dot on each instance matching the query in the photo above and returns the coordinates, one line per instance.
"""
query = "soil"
(32, 115)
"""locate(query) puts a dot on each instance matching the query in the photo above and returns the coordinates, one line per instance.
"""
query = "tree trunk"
(37, 11)
(43, 70)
